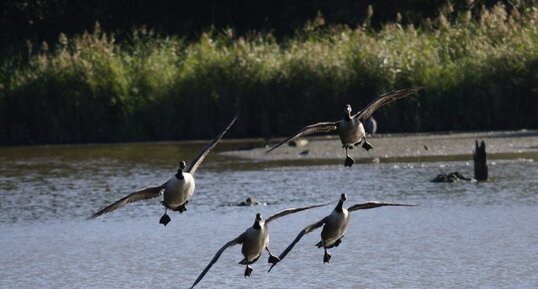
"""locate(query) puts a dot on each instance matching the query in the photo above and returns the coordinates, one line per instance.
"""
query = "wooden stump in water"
(480, 166)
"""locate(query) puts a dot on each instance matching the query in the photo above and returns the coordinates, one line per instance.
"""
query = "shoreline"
(404, 147)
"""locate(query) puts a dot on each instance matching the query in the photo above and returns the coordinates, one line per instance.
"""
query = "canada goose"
(334, 227)
(176, 192)
(255, 239)
(351, 129)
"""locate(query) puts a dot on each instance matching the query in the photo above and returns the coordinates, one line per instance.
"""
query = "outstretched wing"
(311, 129)
(291, 211)
(301, 234)
(144, 194)
(383, 100)
(371, 205)
(201, 156)
(238, 240)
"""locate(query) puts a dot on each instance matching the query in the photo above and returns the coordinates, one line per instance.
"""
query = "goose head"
(348, 112)
(340, 205)
(257, 222)
(182, 165)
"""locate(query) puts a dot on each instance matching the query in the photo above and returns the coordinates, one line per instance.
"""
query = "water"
(464, 235)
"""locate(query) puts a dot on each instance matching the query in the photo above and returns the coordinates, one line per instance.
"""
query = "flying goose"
(351, 129)
(176, 192)
(255, 239)
(334, 227)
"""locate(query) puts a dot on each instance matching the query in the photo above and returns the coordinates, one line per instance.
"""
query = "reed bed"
(480, 73)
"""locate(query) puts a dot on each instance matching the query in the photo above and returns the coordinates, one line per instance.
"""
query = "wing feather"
(384, 100)
(233, 242)
(306, 230)
(291, 211)
(144, 194)
(311, 129)
(371, 205)
(195, 163)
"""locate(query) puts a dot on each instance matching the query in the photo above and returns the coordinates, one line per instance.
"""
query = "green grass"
(480, 73)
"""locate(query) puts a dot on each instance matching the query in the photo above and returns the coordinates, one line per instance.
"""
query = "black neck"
(340, 206)
(347, 116)
(257, 225)
(179, 175)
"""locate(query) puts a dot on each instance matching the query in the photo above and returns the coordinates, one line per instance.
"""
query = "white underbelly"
(177, 191)
(254, 244)
(351, 132)
(335, 228)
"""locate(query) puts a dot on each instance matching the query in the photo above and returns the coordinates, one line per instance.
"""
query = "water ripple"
(478, 235)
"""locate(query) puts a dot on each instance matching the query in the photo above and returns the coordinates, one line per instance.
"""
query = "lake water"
(464, 235)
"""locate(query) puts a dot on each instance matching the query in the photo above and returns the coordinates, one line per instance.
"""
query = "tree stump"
(480, 166)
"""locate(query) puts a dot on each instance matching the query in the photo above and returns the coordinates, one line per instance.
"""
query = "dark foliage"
(43, 20)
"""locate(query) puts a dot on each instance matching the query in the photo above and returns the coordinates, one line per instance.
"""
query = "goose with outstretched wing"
(177, 191)
(351, 128)
(334, 226)
(254, 240)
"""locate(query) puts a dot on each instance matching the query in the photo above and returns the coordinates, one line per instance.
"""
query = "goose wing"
(306, 230)
(147, 193)
(238, 240)
(291, 211)
(195, 163)
(311, 129)
(371, 205)
(383, 100)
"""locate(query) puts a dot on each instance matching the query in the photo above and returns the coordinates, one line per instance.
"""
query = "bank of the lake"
(423, 147)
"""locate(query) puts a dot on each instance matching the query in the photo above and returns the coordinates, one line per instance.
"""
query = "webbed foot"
(165, 219)
(182, 208)
(273, 259)
(337, 242)
(248, 270)
(326, 257)
(349, 161)
(366, 145)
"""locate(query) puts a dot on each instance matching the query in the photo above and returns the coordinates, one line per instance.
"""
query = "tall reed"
(480, 73)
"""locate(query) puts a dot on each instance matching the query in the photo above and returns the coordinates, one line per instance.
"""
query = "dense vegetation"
(480, 70)
(42, 20)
